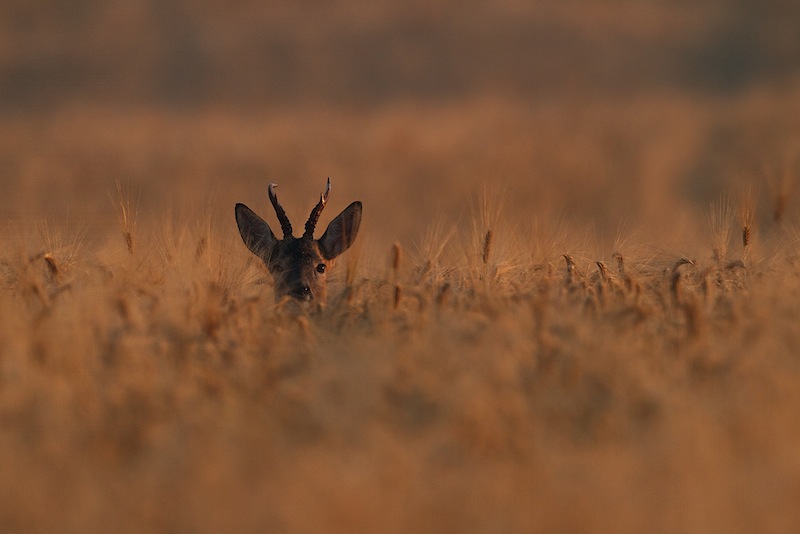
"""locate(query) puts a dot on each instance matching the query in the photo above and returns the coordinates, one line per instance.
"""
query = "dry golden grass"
(468, 382)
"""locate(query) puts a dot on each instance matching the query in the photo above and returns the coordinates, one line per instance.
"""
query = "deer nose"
(302, 293)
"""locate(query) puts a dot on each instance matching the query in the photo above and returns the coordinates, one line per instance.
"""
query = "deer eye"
(321, 268)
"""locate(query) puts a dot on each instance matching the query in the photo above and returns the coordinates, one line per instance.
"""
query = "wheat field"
(572, 306)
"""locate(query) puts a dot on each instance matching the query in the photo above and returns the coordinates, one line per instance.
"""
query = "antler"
(286, 226)
(315, 213)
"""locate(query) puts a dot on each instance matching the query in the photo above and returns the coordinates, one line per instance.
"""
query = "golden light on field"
(572, 304)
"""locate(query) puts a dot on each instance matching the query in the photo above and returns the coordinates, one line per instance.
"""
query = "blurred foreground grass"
(480, 382)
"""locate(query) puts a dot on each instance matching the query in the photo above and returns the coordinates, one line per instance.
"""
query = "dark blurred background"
(600, 112)
(246, 53)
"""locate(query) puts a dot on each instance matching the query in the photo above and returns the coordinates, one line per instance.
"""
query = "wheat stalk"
(396, 260)
(747, 217)
(719, 217)
(487, 247)
(126, 215)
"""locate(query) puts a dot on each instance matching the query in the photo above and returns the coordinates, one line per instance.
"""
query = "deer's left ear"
(341, 232)
(255, 232)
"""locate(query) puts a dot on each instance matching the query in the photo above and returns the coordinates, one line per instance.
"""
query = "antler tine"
(315, 213)
(286, 226)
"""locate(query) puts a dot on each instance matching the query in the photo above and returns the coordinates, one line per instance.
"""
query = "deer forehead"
(299, 253)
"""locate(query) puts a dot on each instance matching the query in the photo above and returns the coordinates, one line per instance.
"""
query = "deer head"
(299, 265)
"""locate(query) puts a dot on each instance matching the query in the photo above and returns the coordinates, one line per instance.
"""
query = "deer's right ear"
(341, 232)
(255, 231)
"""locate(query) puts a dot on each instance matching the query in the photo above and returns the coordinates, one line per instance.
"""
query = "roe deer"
(299, 265)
